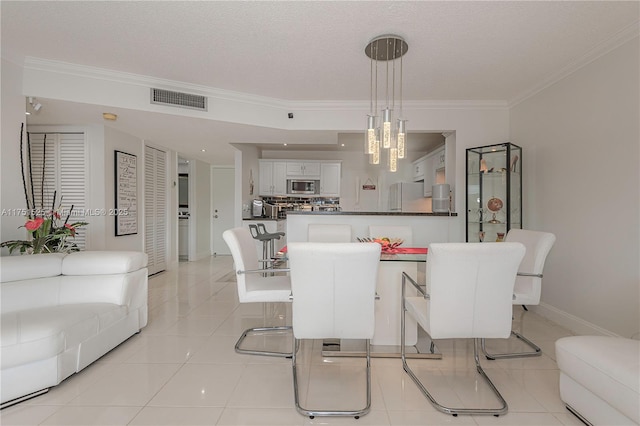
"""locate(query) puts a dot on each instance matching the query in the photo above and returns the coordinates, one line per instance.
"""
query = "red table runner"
(398, 250)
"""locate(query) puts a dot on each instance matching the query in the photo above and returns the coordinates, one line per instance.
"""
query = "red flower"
(71, 228)
(56, 215)
(34, 224)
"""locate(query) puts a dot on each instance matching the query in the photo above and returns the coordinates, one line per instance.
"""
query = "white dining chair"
(393, 231)
(528, 282)
(467, 296)
(254, 286)
(333, 288)
(329, 233)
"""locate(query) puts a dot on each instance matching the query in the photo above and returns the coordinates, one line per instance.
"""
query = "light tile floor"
(182, 370)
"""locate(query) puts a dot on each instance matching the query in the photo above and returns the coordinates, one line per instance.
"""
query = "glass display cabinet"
(494, 191)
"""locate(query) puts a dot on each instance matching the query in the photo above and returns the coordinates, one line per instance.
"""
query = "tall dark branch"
(68, 215)
(53, 209)
(24, 180)
(33, 197)
(44, 163)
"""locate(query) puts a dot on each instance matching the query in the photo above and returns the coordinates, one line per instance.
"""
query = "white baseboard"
(573, 323)
(201, 255)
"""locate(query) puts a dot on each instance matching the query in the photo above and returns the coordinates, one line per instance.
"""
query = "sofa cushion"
(35, 334)
(103, 262)
(13, 268)
(609, 367)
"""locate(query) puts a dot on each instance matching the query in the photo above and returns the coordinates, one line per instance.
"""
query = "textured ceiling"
(314, 50)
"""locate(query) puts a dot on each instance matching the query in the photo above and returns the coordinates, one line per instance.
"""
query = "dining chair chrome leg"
(448, 410)
(313, 413)
(263, 330)
(493, 356)
(536, 350)
(452, 410)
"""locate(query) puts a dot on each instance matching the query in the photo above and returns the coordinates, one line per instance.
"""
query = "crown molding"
(621, 37)
(95, 73)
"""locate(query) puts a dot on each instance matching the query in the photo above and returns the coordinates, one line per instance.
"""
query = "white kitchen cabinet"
(303, 168)
(434, 170)
(273, 178)
(330, 179)
(419, 166)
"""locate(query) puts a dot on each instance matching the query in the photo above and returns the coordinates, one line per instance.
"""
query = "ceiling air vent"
(183, 100)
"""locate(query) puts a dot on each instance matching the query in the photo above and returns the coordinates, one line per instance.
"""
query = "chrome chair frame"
(313, 413)
(536, 349)
(447, 410)
(242, 247)
(248, 331)
(538, 245)
(365, 254)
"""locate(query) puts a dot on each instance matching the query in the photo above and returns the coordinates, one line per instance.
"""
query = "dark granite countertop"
(344, 213)
(262, 218)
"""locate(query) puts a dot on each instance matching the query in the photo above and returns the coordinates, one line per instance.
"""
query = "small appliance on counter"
(257, 208)
(440, 198)
(407, 197)
(271, 211)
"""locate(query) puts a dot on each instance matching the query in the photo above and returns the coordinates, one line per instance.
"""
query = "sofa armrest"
(120, 289)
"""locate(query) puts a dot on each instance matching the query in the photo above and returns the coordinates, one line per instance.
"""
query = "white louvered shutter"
(64, 173)
(155, 208)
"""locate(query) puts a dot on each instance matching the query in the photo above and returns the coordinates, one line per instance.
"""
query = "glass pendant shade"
(386, 128)
(393, 159)
(402, 135)
(375, 156)
(371, 134)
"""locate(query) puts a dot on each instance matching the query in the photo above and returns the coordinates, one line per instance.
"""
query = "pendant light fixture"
(392, 139)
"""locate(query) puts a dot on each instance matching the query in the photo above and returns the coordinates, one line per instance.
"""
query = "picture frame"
(126, 194)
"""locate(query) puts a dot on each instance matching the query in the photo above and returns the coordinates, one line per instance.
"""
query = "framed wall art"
(126, 193)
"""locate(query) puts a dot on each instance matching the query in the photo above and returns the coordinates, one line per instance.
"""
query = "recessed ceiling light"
(203, 150)
(284, 144)
(109, 116)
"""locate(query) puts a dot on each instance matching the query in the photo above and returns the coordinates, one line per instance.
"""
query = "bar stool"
(259, 232)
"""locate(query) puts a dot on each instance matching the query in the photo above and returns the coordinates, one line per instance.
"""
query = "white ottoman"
(600, 378)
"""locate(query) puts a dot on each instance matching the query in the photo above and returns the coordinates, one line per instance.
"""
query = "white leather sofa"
(600, 378)
(59, 313)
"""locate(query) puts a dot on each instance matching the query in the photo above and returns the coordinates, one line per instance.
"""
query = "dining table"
(386, 338)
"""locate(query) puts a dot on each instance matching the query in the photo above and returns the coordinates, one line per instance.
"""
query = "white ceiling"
(305, 51)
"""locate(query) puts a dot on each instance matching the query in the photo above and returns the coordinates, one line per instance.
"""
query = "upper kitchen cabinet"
(418, 169)
(434, 170)
(330, 179)
(306, 169)
(273, 177)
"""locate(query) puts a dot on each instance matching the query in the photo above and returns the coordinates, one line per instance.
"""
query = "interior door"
(155, 208)
(223, 212)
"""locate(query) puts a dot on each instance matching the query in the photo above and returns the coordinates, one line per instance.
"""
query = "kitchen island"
(427, 227)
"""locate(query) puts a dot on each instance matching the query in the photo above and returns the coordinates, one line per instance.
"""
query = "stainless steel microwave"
(301, 186)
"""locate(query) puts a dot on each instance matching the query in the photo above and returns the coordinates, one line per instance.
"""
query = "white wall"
(11, 190)
(248, 170)
(580, 142)
(200, 234)
(116, 140)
